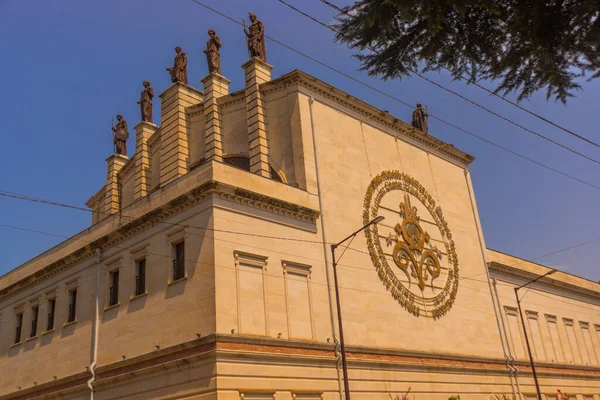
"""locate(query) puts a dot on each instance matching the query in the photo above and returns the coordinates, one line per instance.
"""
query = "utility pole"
(535, 379)
(337, 300)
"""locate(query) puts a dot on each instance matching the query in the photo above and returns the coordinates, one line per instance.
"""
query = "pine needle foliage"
(525, 46)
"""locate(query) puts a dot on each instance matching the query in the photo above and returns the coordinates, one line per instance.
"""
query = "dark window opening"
(178, 261)
(18, 328)
(113, 291)
(51, 308)
(34, 320)
(72, 305)
(140, 278)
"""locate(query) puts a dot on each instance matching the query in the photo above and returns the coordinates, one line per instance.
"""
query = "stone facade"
(206, 273)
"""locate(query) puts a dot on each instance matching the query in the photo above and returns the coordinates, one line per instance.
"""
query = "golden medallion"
(415, 258)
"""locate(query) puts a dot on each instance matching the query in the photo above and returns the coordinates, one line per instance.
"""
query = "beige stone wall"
(252, 318)
(279, 108)
(170, 312)
(127, 182)
(60, 353)
(235, 132)
(350, 153)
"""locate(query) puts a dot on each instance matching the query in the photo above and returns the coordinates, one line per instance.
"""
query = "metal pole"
(339, 314)
(537, 385)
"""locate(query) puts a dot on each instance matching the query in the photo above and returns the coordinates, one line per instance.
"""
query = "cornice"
(196, 109)
(157, 216)
(232, 99)
(524, 276)
(128, 168)
(217, 347)
(154, 139)
(370, 113)
(94, 199)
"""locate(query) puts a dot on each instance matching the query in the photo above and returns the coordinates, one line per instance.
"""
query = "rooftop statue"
(256, 38)
(213, 54)
(120, 136)
(179, 69)
(145, 102)
(419, 119)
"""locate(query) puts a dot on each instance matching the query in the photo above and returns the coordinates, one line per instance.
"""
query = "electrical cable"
(403, 102)
(456, 93)
(19, 196)
(472, 82)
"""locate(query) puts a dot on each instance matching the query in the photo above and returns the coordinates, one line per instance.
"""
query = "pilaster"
(257, 72)
(174, 130)
(143, 131)
(112, 193)
(215, 86)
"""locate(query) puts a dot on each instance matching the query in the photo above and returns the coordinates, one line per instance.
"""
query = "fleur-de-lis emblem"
(410, 254)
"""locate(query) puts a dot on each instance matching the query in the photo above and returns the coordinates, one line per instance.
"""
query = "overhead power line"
(472, 82)
(195, 262)
(405, 103)
(19, 196)
(474, 103)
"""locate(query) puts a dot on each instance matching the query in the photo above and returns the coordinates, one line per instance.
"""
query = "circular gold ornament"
(413, 251)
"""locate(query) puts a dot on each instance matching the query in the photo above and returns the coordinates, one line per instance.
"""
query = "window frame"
(51, 311)
(35, 318)
(18, 338)
(71, 304)
(139, 285)
(175, 238)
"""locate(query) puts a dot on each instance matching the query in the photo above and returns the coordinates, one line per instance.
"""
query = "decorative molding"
(216, 347)
(532, 315)
(155, 217)
(127, 169)
(154, 140)
(99, 196)
(511, 311)
(551, 319)
(296, 268)
(232, 99)
(523, 276)
(410, 254)
(368, 112)
(584, 325)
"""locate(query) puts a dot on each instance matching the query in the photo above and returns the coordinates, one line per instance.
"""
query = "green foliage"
(525, 45)
(500, 397)
(457, 397)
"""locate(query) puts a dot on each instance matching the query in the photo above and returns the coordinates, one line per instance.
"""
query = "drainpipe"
(96, 324)
(487, 274)
(325, 251)
(509, 358)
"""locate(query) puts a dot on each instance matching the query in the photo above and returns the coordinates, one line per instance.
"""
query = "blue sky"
(69, 66)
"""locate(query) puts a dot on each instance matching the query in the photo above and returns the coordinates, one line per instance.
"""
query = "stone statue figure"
(120, 135)
(419, 119)
(213, 55)
(146, 102)
(179, 69)
(256, 38)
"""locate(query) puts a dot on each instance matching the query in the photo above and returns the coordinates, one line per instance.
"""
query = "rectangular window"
(51, 309)
(113, 291)
(34, 321)
(178, 261)
(140, 277)
(19, 326)
(72, 305)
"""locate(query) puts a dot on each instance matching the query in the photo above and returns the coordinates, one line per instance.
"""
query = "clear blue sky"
(68, 66)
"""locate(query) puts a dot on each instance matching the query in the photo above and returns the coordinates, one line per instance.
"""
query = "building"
(207, 274)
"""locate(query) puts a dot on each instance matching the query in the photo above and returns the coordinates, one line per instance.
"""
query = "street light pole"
(535, 379)
(337, 300)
